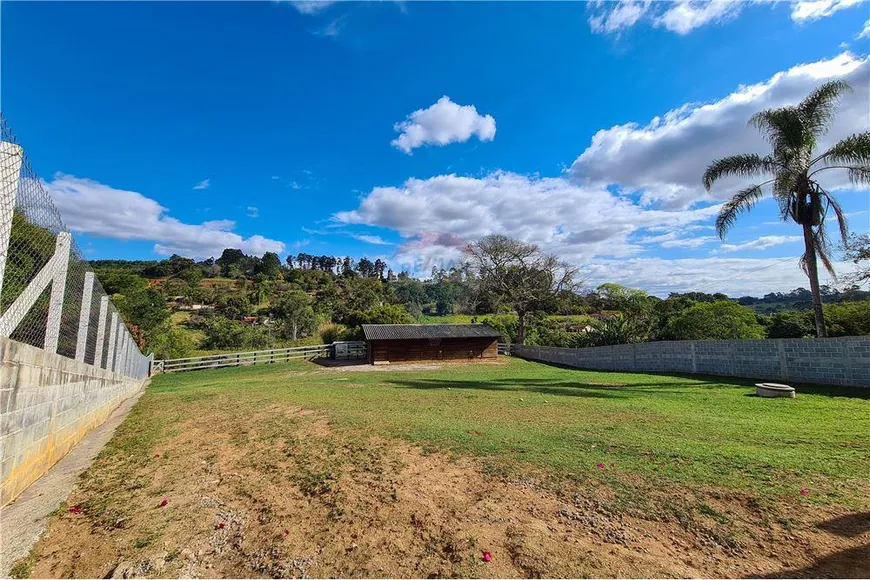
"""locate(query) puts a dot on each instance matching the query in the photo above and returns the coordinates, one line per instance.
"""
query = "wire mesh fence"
(49, 296)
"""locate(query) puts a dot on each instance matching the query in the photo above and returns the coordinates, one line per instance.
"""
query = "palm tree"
(794, 168)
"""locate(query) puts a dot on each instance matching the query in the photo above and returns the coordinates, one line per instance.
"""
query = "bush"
(223, 333)
(847, 318)
(506, 324)
(330, 333)
(791, 325)
(168, 342)
(714, 320)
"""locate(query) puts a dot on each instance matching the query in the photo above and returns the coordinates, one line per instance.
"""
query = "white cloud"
(621, 15)
(675, 239)
(369, 239)
(684, 16)
(98, 210)
(437, 216)
(666, 158)
(865, 32)
(443, 123)
(761, 243)
(311, 6)
(202, 184)
(276, 177)
(733, 276)
(253, 212)
(804, 10)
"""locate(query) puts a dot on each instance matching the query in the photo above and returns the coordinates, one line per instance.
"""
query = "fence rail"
(238, 359)
(49, 295)
(504, 348)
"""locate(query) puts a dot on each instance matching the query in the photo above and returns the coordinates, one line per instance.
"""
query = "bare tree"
(519, 275)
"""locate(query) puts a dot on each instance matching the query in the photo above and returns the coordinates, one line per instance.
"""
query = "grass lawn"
(671, 475)
(705, 431)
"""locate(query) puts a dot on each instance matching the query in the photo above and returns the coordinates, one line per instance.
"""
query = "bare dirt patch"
(278, 491)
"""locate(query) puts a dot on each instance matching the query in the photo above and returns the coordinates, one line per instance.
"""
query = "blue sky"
(186, 127)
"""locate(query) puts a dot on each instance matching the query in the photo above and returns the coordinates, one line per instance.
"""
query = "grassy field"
(555, 471)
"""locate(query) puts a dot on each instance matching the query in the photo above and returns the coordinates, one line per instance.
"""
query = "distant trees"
(794, 168)
(518, 275)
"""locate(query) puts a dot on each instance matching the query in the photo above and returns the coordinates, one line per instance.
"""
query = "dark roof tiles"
(428, 331)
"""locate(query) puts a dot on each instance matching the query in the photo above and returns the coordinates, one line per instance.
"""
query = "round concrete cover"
(773, 390)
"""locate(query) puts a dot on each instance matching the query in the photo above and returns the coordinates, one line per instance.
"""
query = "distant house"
(430, 342)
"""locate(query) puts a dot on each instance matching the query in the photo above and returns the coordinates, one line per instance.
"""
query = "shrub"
(791, 325)
(848, 318)
(714, 320)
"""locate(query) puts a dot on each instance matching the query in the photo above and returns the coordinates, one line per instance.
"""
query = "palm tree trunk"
(813, 274)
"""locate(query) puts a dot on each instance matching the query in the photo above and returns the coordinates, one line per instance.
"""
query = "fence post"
(10, 174)
(58, 286)
(101, 332)
(113, 338)
(84, 317)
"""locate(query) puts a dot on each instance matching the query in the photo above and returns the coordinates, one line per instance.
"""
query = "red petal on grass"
(219, 526)
(805, 491)
(163, 502)
(600, 466)
(487, 556)
(76, 509)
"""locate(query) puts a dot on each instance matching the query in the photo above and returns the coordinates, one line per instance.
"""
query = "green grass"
(697, 431)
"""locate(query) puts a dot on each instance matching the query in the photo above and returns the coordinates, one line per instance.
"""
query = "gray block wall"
(841, 361)
(48, 403)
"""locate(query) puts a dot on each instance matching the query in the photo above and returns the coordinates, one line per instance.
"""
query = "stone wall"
(48, 403)
(831, 361)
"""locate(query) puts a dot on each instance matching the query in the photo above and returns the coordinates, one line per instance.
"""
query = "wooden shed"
(430, 342)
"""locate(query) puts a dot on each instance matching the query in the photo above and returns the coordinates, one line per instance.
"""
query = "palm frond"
(859, 175)
(823, 248)
(817, 109)
(742, 201)
(853, 150)
(783, 127)
(747, 165)
(842, 222)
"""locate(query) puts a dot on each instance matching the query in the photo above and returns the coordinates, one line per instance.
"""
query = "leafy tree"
(795, 168)
(714, 320)
(231, 257)
(269, 266)
(518, 275)
(791, 325)
(366, 268)
(848, 318)
(294, 310)
(165, 341)
(617, 330)
(234, 305)
(142, 307)
(389, 314)
(858, 252)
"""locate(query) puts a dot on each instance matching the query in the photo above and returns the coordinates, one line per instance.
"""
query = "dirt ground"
(285, 494)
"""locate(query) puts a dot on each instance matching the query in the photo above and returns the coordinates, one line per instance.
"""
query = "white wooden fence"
(354, 350)
(504, 348)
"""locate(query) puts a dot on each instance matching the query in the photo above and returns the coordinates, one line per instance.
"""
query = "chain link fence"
(50, 297)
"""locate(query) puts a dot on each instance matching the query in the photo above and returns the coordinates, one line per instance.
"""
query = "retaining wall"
(48, 403)
(831, 361)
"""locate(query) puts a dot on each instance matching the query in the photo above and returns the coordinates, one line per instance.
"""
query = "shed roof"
(428, 331)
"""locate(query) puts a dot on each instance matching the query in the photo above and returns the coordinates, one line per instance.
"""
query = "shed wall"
(423, 350)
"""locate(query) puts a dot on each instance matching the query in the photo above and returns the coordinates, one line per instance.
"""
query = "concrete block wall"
(48, 403)
(841, 361)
